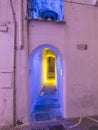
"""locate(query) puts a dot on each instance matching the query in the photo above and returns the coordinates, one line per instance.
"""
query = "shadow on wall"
(35, 66)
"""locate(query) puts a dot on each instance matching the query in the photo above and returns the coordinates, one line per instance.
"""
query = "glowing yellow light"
(49, 68)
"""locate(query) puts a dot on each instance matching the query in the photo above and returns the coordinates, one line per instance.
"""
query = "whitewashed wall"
(6, 62)
(82, 83)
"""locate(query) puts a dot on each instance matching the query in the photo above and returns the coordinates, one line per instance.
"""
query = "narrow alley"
(47, 106)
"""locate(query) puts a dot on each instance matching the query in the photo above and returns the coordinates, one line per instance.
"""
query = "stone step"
(46, 106)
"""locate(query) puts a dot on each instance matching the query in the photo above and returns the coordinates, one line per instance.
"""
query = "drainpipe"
(23, 46)
(20, 26)
(14, 67)
(23, 27)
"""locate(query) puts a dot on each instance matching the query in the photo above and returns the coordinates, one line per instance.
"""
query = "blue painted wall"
(60, 81)
(38, 6)
(35, 63)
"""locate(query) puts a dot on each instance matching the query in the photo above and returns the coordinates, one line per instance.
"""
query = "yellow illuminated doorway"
(49, 72)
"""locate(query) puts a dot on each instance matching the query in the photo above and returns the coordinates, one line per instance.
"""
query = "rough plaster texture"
(7, 45)
(6, 107)
(6, 63)
(46, 33)
(8, 77)
(82, 83)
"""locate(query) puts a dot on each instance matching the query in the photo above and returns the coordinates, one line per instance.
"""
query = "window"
(46, 9)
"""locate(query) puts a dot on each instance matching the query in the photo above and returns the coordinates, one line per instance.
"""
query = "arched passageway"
(46, 83)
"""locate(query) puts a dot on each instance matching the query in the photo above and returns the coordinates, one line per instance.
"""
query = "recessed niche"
(82, 47)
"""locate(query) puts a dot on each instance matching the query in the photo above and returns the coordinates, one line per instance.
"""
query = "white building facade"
(75, 38)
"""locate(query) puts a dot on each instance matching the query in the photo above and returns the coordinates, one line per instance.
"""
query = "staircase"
(47, 106)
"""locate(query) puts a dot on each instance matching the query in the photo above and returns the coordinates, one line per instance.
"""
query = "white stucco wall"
(6, 63)
(82, 98)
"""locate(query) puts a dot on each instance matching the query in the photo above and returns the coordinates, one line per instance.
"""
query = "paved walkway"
(47, 105)
(47, 116)
(87, 123)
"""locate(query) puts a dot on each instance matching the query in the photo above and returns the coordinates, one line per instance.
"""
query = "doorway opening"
(49, 72)
(46, 83)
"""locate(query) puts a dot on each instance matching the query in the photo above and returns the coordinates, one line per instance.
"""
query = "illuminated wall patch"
(49, 68)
